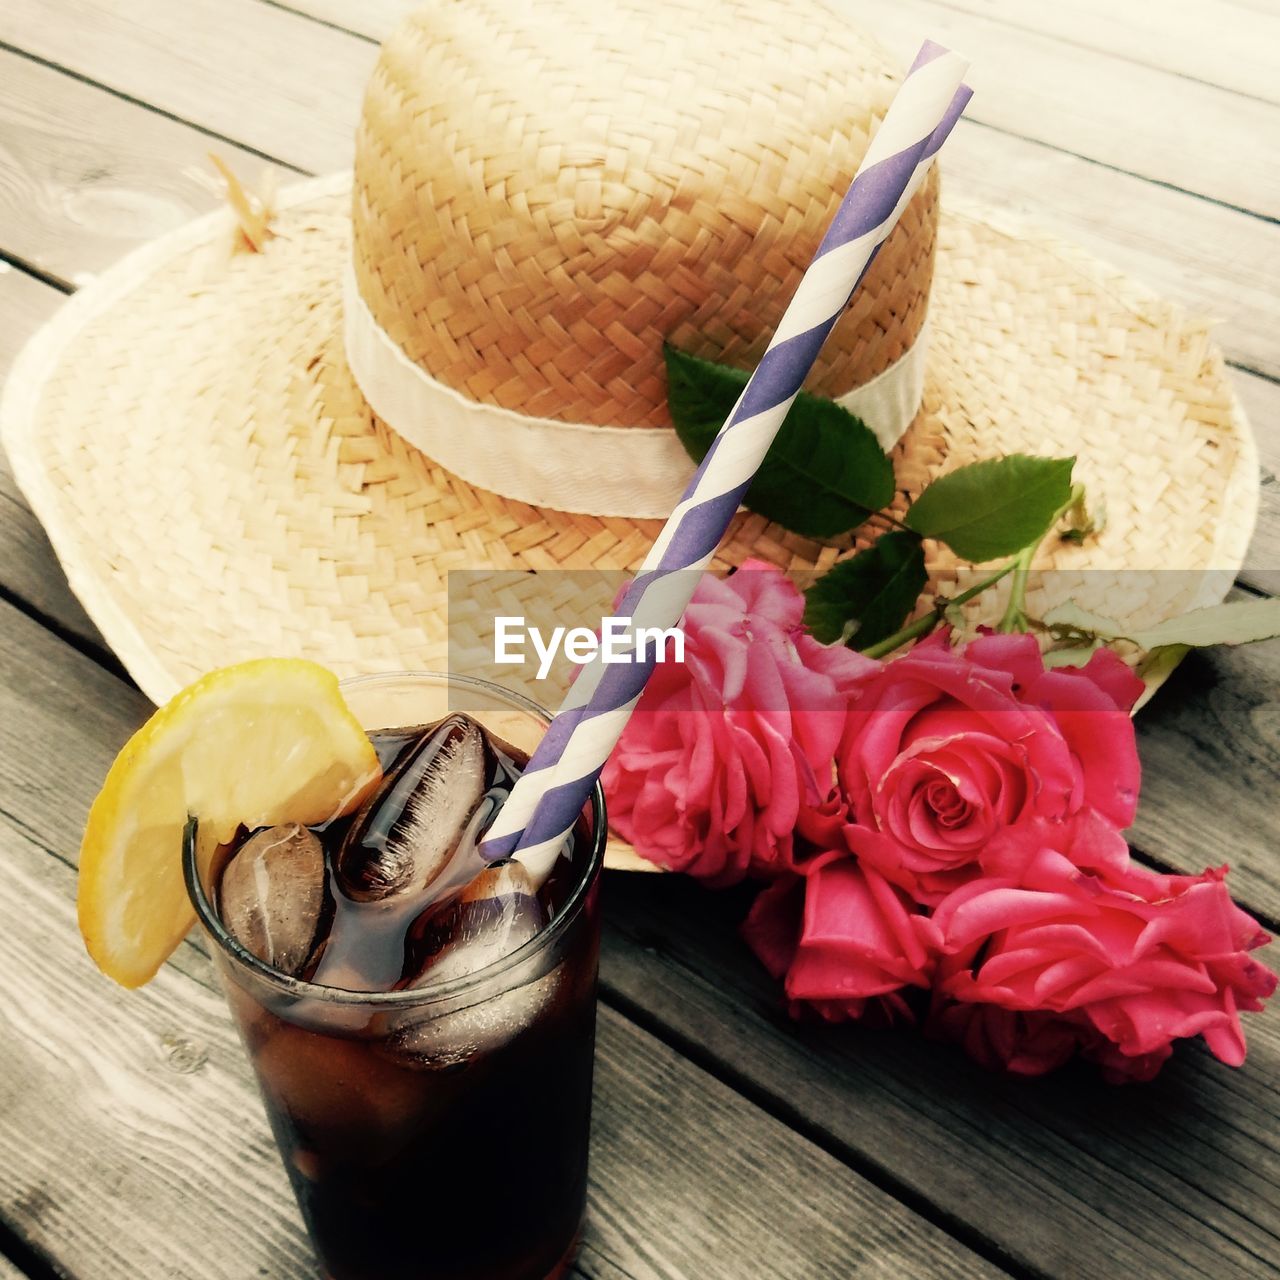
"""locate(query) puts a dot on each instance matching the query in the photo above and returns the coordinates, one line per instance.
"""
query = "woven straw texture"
(544, 196)
(216, 488)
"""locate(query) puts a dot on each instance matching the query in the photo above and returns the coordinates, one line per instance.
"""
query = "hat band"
(636, 472)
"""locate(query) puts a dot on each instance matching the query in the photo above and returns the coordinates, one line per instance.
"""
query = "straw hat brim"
(216, 488)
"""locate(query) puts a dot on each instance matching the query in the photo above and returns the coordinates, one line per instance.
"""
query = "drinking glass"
(465, 1158)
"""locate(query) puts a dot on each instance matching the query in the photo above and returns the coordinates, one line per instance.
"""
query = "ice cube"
(496, 914)
(272, 896)
(452, 1038)
(406, 833)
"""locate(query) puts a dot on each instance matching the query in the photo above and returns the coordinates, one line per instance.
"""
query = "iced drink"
(421, 1023)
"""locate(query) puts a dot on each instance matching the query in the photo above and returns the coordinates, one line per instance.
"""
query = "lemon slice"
(259, 743)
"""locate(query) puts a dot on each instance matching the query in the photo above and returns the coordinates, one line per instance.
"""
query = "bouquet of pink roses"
(939, 833)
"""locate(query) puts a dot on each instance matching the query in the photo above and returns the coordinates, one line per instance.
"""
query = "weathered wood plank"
(30, 569)
(1068, 1178)
(25, 304)
(8, 1271)
(148, 1093)
(109, 1143)
(1191, 135)
(1210, 745)
(1263, 570)
(85, 176)
(673, 1149)
(1261, 400)
(1222, 43)
(255, 74)
(373, 19)
(1225, 44)
(46, 688)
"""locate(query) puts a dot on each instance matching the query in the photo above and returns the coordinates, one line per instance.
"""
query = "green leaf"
(1068, 621)
(1079, 656)
(866, 599)
(993, 508)
(825, 473)
(1237, 622)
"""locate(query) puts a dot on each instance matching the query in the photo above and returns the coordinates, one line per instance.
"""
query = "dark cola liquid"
(416, 1153)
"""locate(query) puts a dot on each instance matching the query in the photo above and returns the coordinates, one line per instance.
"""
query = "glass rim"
(300, 988)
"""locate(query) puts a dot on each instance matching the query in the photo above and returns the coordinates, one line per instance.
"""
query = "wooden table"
(729, 1142)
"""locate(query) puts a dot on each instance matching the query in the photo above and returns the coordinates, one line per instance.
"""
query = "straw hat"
(232, 458)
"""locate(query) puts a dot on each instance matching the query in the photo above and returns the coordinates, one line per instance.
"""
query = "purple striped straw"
(546, 800)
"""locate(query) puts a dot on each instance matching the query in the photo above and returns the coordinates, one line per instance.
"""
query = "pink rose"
(1034, 1043)
(946, 748)
(1139, 959)
(1025, 1043)
(1086, 841)
(725, 750)
(843, 938)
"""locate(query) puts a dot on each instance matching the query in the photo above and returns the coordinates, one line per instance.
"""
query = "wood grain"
(1221, 43)
(373, 19)
(257, 75)
(1230, 45)
(1263, 569)
(1065, 1176)
(30, 571)
(1141, 119)
(672, 1150)
(86, 176)
(25, 304)
(1261, 400)
(1210, 747)
(148, 1093)
(93, 1096)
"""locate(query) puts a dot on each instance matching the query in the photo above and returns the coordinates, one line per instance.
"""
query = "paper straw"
(547, 799)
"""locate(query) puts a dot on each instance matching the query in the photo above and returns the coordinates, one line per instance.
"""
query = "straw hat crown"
(546, 193)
